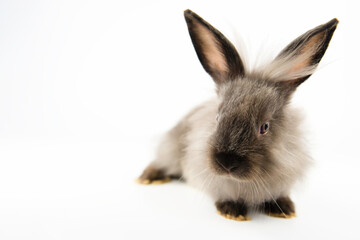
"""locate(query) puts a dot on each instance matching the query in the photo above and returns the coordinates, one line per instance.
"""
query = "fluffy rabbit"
(244, 148)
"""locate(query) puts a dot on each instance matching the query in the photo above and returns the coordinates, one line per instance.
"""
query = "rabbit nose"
(230, 161)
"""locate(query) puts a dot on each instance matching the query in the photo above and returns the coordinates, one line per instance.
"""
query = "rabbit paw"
(153, 176)
(232, 210)
(282, 208)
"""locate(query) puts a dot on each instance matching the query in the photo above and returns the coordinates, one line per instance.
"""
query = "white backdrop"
(88, 87)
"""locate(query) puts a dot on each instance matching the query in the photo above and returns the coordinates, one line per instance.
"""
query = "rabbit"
(245, 148)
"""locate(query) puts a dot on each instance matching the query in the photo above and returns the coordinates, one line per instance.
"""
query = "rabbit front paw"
(234, 210)
(283, 207)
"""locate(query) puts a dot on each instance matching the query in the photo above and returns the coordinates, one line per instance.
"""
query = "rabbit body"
(244, 148)
(185, 152)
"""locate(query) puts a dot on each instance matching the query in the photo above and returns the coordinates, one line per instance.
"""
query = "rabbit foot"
(232, 210)
(282, 208)
(153, 176)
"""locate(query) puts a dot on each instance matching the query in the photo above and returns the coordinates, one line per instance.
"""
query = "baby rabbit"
(245, 147)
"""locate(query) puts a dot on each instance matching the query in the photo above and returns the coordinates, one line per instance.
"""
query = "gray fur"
(270, 163)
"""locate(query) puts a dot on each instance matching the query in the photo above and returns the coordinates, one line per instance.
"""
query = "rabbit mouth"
(240, 172)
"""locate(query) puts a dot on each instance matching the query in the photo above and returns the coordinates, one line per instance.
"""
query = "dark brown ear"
(215, 52)
(302, 55)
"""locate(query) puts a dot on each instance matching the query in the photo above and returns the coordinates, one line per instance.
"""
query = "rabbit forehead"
(252, 97)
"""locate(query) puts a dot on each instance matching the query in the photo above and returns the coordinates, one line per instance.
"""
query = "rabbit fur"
(246, 146)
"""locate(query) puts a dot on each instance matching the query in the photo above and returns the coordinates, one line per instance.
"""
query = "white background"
(88, 87)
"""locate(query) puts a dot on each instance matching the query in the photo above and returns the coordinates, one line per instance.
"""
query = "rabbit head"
(252, 113)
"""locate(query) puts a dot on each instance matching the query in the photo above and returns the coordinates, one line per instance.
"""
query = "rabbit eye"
(217, 117)
(264, 128)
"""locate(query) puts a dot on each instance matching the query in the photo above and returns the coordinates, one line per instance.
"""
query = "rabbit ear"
(215, 52)
(298, 60)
